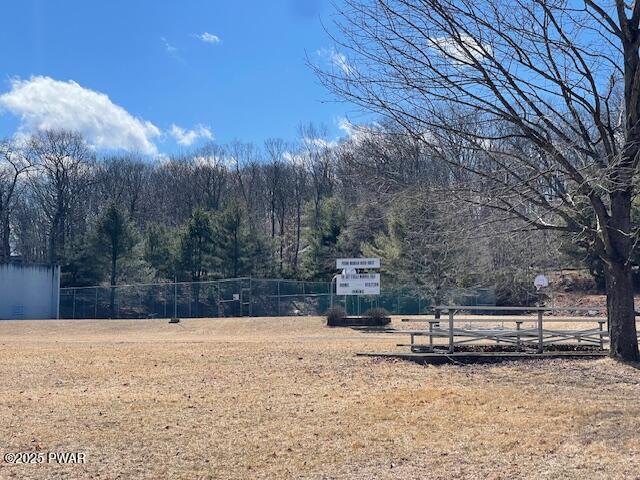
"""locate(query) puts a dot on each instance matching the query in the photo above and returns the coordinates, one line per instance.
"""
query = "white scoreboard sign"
(358, 284)
(349, 263)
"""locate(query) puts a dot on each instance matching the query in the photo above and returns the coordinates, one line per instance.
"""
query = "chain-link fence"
(241, 297)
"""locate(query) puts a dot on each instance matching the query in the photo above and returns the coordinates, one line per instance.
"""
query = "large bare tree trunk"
(620, 298)
(621, 313)
(5, 246)
(619, 282)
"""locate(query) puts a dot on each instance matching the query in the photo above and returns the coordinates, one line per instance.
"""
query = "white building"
(29, 291)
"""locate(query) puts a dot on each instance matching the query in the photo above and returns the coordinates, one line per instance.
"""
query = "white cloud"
(216, 161)
(170, 48)
(357, 133)
(45, 103)
(189, 137)
(207, 37)
(293, 158)
(319, 143)
(208, 160)
(463, 50)
(340, 61)
(337, 59)
(347, 127)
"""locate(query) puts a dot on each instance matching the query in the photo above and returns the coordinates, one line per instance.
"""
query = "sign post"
(358, 284)
(540, 282)
(351, 282)
(357, 263)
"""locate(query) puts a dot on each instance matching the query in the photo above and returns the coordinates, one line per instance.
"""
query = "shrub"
(335, 316)
(514, 290)
(376, 313)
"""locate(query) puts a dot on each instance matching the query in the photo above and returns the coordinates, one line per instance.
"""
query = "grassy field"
(287, 398)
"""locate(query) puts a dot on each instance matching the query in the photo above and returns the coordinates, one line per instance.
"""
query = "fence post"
(74, 304)
(175, 298)
(95, 309)
(250, 297)
(331, 292)
(430, 335)
(451, 331)
(600, 325)
(165, 306)
(518, 324)
(540, 345)
(278, 297)
(220, 311)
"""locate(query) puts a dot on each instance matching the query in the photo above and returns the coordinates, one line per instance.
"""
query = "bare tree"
(247, 175)
(280, 191)
(424, 245)
(62, 161)
(300, 187)
(318, 158)
(210, 175)
(545, 92)
(123, 181)
(172, 190)
(13, 166)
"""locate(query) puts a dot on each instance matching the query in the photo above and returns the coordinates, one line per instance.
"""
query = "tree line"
(278, 210)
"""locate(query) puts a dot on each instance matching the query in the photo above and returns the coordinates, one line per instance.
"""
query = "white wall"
(28, 291)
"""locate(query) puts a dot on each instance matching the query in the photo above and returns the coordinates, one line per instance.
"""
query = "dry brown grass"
(287, 398)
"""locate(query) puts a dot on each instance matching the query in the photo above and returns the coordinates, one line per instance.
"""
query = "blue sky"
(176, 73)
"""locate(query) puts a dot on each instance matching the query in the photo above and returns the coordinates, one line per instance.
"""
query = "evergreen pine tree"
(323, 239)
(115, 238)
(160, 251)
(235, 246)
(196, 247)
(83, 266)
(197, 259)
